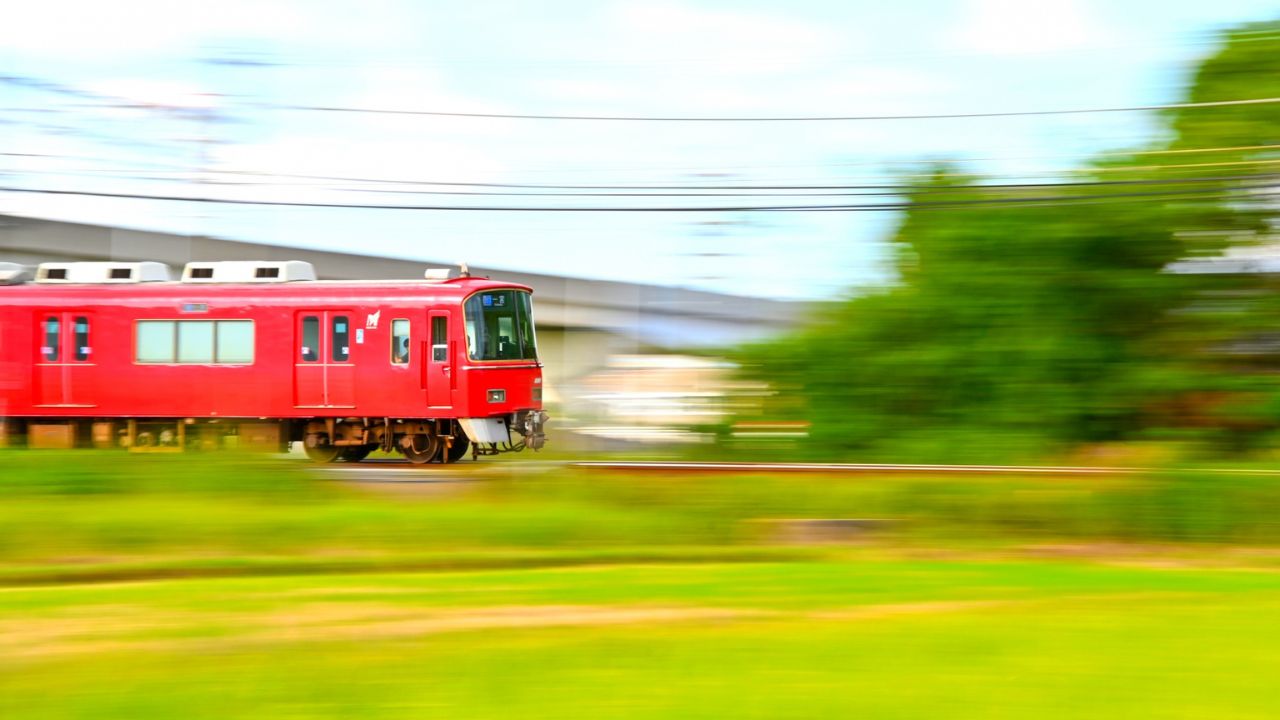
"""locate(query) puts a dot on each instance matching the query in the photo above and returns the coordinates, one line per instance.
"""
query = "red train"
(113, 354)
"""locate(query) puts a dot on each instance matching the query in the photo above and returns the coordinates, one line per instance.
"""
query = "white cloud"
(385, 157)
(90, 28)
(719, 40)
(418, 89)
(137, 26)
(1023, 27)
(161, 93)
(393, 147)
(671, 58)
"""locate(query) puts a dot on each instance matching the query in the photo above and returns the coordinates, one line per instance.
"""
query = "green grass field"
(159, 587)
(851, 638)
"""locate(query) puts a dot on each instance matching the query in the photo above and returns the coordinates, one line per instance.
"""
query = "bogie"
(420, 448)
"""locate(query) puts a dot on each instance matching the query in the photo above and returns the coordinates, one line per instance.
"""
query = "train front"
(501, 383)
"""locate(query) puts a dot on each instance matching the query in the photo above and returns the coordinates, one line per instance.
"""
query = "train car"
(119, 354)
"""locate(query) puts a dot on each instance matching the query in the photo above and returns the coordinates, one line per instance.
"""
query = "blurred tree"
(1237, 313)
(1247, 66)
(1024, 323)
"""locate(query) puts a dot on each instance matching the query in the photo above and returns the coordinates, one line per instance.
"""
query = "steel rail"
(897, 468)
(477, 471)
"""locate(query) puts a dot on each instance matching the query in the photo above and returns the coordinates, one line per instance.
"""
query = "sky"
(223, 100)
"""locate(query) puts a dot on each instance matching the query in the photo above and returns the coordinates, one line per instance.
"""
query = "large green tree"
(1024, 322)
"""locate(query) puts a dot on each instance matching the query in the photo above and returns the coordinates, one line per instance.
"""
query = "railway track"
(894, 468)
(849, 468)
(396, 471)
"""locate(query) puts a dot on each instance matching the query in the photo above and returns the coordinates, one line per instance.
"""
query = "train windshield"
(500, 326)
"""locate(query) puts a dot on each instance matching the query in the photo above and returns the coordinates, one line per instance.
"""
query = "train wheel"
(321, 453)
(355, 453)
(457, 450)
(419, 449)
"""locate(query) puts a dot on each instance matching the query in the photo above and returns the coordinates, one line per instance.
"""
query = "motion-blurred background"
(1035, 236)
(984, 229)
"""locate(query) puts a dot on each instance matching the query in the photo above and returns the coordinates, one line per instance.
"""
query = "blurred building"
(1238, 260)
(660, 398)
(582, 323)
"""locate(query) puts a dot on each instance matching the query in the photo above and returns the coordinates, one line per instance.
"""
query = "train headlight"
(497, 396)
(537, 394)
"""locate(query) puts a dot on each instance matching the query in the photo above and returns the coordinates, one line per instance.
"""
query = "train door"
(64, 360)
(439, 376)
(323, 372)
(341, 380)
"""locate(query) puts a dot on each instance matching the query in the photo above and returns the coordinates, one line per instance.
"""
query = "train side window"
(82, 338)
(310, 338)
(439, 339)
(341, 338)
(195, 341)
(52, 339)
(527, 340)
(154, 341)
(399, 341)
(235, 341)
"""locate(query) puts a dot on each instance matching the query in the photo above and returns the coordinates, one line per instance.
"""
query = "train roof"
(75, 283)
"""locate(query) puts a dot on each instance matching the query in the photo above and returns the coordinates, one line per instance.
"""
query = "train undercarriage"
(325, 440)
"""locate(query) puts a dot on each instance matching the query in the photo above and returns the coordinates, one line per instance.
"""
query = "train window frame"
(523, 335)
(175, 354)
(220, 349)
(198, 350)
(309, 347)
(525, 326)
(439, 338)
(80, 335)
(51, 348)
(154, 357)
(339, 351)
(407, 346)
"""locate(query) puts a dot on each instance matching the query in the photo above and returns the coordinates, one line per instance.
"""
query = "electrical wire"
(806, 118)
(879, 207)
(210, 114)
(658, 190)
(211, 177)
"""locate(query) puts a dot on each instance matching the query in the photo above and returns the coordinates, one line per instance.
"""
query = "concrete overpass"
(581, 322)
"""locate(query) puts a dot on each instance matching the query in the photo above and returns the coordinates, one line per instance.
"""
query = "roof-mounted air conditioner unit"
(248, 271)
(13, 273)
(102, 272)
(444, 274)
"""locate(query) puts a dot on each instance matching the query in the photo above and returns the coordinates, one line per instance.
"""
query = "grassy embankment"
(62, 514)
(592, 604)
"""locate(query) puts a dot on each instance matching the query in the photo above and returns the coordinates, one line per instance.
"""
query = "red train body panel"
(288, 351)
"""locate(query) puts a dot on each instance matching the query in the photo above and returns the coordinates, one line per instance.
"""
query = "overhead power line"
(209, 176)
(872, 207)
(268, 178)
(778, 118)
(207, 113)
(189, 112)
(895, 189)
(655, 191)
(1136, 168)
(878, 162)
